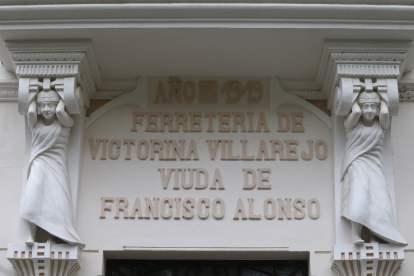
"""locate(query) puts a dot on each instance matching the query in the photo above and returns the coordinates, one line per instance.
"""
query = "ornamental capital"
(354, 65)
(69, 67)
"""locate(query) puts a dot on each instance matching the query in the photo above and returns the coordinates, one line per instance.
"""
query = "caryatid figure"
(366, 200)
(47, 200)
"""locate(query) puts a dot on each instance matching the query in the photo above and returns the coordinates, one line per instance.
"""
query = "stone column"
(355, 67)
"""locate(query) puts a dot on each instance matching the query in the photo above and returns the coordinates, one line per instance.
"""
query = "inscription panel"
(197, 174)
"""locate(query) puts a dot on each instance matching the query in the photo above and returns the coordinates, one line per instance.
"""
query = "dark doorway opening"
(116, 267)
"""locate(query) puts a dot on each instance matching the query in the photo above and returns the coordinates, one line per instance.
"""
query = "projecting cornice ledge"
(219, 14)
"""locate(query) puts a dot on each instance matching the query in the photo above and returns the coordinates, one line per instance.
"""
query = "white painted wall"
(11, 174)
(129, 232)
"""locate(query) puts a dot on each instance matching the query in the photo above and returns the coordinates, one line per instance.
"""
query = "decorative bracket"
(66, 87)
(349, 88)
(367, 260)
(69, 67)
(377, 60)
(44, 259)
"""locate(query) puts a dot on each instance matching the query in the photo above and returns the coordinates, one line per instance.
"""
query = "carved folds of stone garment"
(365, 195)
(47, 199)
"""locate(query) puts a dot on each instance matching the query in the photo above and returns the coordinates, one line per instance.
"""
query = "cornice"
(347, 2)
(234, 15)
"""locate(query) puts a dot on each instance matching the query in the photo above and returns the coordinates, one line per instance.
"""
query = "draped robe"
(365, 194)
(47, 201)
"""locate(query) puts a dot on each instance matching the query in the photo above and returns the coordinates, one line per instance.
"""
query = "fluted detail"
(361, 65)
(47, 70)
(44, 259)
(356, 70)
(58, 56)
(370, 259)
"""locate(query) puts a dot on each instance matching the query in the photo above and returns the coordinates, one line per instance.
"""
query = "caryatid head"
(46, 103)
(369, 103)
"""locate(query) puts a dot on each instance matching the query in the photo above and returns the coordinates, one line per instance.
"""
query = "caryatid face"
(369, 111)
(47, 109)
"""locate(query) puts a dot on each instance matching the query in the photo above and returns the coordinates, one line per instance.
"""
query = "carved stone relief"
(361, 84)
(46, 202)
(54, 89)
(365, 196)
(366, 200)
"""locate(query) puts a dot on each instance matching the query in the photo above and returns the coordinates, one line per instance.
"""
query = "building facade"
(206, 138)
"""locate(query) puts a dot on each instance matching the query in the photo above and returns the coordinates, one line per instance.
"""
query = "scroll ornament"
(67, 89)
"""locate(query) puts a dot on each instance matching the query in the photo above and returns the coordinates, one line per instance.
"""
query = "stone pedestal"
(370, 259)
(44, 259)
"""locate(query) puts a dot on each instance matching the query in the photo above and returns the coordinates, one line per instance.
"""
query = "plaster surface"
(403, 161)
(140, 178)
(11, 158)
(11, 165)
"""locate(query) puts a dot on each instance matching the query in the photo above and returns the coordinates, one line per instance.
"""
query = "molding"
(209, 15)
(89, 82)
(278, 97)
(406, 87)
(407, 95)
(109, 94)
(352, 52)
(8, 90)
(361, 2)
(48, 259)
(360, 59)
(57, 56)
(139, 97)
(218, 14)
(56, 70)
(8, 96)
(368, 259)
(308, 94)
(60, 58)
(361, 65)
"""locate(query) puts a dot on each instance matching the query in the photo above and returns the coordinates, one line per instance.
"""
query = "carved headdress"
(369, 97)
(48, 96)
